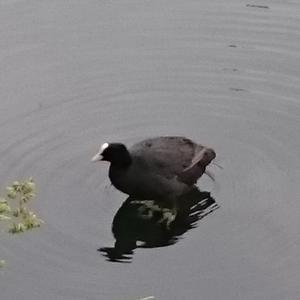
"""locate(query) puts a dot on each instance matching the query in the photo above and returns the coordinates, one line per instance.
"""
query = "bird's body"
(161, 167)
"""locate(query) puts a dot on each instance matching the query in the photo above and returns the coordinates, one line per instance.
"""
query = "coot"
(161, 167)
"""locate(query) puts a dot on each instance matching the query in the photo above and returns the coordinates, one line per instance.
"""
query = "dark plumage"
(161, 167)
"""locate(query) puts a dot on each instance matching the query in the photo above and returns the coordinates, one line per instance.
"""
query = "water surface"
(224, 73)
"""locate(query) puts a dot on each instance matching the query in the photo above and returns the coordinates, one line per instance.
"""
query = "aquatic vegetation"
(14, 208)
(2, 263)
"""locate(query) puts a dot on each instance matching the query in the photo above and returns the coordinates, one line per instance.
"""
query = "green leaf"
(2, 263)
(17, 228)
(4, 217)
(4, 207)
(11, 193)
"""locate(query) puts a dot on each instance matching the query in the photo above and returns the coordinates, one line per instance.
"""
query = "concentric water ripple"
(222, 73)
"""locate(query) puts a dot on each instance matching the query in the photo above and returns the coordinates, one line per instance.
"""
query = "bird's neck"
(122, 161)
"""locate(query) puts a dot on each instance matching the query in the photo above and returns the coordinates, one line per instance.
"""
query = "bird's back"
(166, 156)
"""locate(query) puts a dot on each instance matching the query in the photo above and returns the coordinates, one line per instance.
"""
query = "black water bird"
(156, 168)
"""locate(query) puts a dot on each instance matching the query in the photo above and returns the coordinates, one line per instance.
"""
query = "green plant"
(14, 208)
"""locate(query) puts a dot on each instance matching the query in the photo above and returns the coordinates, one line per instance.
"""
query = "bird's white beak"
(97, 157)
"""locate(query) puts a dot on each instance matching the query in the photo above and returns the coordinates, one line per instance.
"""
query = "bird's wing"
(166, 156)
(192, 173)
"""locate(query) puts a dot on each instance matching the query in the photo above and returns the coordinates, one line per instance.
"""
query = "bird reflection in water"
(150, 223)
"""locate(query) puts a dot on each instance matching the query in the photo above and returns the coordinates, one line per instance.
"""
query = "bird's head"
(115, 153)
